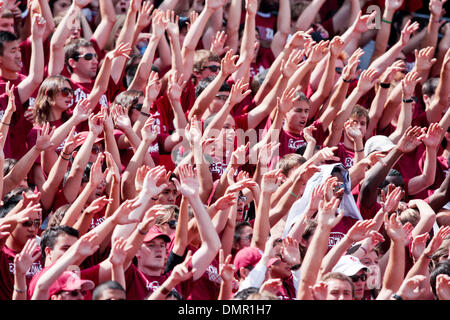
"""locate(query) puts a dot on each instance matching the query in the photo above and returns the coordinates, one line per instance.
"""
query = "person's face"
(75, 31)
(64, 97)
(339, 290)
(113, 294)
(170, 226)
(11, 59)
(359, 284)
(280, 269)
(360, 123)
(246, 237)
(218, 101)
(63, 242)
(240, 208)
(152, 254)
(134, 112)
(60, 7)
(7, 24)
(27, 230)
(96, 149)
(210, 69)
(296, 118)
(84, 67)
(69, 295)
(121, 6)
(168, 195)
(98, 191)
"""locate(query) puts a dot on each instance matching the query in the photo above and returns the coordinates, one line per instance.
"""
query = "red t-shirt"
(7, 272)
(345, 155)
(140, 285)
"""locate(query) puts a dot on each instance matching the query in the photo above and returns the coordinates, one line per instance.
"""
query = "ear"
(243, 272)
(71, 62)
(47, 251)
(426, 99)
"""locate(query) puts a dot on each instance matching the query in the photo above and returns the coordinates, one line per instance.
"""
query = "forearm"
(108, 19)
(53, 181)
(325, 85)
(114, 195)
(333, 256)
(404, 121)
(308, 15)
(181, 233)
(431, 36)
(127, 185)
(232, 27)
(167, 285)
(395, 269)
(383, 34)
(74, 211)
(145, 65)
(111, 147)
(101, 82)
(227, 238)
(20, 170)
(426, 179)
(376, 110)
(118, 275)
(180, 121)
(261, 227)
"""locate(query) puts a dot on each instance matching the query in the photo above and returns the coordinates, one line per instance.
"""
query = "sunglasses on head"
(362, 277)
(213, 68)
(29, 223)
(65, 92)
(138, 106)
(87, 56)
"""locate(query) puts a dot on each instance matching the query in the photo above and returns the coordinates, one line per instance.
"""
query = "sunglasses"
(362, 277)
(172, 224)
(75, 293)
(138, 106)
(87, 56)
(223, 97)
(29, 223)
(65, 92)
(212, 68)
(339, 70)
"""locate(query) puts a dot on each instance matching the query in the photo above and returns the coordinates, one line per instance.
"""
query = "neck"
(8, 74)
(347, 143)
(79, 78)
(150, 270)
(55, 114)
(12, 244)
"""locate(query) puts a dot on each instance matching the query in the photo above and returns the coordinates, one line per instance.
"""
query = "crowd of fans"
(224, 150)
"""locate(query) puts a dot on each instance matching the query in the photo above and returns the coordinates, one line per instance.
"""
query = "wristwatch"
(396, 297)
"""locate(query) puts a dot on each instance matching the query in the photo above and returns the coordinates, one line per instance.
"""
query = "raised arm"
(308, 15)
(436, 13)
(108, 19)
(283, 27)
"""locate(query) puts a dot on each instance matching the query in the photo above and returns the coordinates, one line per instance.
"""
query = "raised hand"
(436, 8)
(362, 23)
(215, 4)
(118, 252)
(225, 202)
(218, 43)
(159, 23)
(95, 122)
(226, 268)
(353, 132)
(38, 26)
(409, 83)
(145, 15)
(229, 63)
(437, 241)
(188, 184)
(140, 177)
(412, 288)
(194, 131)
(318, 52)
(30, 253)
(424, 59)
(151, 183)
(408, 30)
(181, 271)
(394, 228)
(326, 215)
(267, 152)
(367, 80)
(97, 205)
(153, 87)
(336, 46)
(360, 230)
(393, 5)
(123, 50)
(121, 215)
(171, 22)
(391, 202)
(82, 110)
(290, 251)
(411, 139)
(286, 101)
(433, 137)
(300, 39)
(271, 181)
(175, 86)
(238, 92)
(293, 62)
(44, 136)
(325, 154)
(120, 117)
(418, 245)
(96, 175)
(149, 131)
(271, 286)
(443, 287)
(389, 74)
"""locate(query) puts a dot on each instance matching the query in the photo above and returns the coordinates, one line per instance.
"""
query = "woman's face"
(64, 96)
(60, 7)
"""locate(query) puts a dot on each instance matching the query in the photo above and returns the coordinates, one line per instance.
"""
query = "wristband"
(362, 150)
(20, 291)
(396, 297)
(385, 85)
(145, 114)
(427, 256)
(67, 154)
(347, 81)
(7, 124)
(410, 100)
(387, 21)
(293, 194)
(67, 159)
(142, 232)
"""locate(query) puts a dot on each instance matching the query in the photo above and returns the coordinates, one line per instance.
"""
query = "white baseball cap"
(378, 143)
(349, 265)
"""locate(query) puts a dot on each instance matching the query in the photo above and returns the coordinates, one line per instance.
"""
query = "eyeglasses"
(339, 70)
(65, 92)
(212, 68)
(138, 106)
(248, 237)
(362, 277)
(87, 56)
(96, 149)
(29, 223)
(243, 198)
(75, 293)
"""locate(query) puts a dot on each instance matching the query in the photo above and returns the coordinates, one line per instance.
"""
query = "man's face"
(168, 195)
(152, 254)
(296, 118)
(84, 67)
(359, 284)
(121, 6)
(246, 237)
(210, 69)
(62, 244)
(12, 58)
(113, 294)
(218, 101)
(7, 24)
(339, 290)
(281, 269)
(360, 123)
(27, 230)
(60, 7)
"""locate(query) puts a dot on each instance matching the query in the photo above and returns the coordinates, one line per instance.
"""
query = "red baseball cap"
(155, 232)
(248, 256)
(69, 281)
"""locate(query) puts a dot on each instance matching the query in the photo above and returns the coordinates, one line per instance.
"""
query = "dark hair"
(238, 230)
(359, 111)
(8, 164)
(392, 173)
(430, 86)
(442, 267)
(339, 276)
(11, 199)
(205, 83)
(71, 50)
(50, 235)
(107, 285)
(6, 36)
(245, 293)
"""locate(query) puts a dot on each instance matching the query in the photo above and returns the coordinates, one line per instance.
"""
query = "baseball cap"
(69, 281)
(349, 265)
(248, 256)
(272, 261)
(378, 143)
(155, 232)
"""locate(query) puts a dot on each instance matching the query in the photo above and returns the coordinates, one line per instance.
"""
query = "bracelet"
(7, 124)
(364, 249)
(387, 21)
(293, 194)
(164, 290)
(20, 291)
(385, 85)
(362, 150)
(347, 81)
(427, 256)
(145, 114)
(410, 100)
(67, 154)
(67, 159)
(436, 21)
(396, 297)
